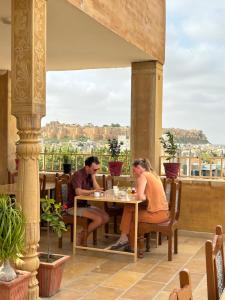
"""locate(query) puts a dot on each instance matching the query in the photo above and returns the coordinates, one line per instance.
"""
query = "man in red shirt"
(83, 182)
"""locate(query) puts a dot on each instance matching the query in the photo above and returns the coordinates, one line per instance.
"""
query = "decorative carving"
(28, 105)
(29, 52)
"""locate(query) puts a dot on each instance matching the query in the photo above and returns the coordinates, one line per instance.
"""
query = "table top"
(8, 189)
(110, 198)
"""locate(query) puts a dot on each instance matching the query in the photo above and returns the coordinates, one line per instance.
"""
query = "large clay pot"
(50, 274)
(16, 289)
(171, 170)
(67, 168)
(115, 168)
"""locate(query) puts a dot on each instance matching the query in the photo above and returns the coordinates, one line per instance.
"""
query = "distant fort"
(57, 131)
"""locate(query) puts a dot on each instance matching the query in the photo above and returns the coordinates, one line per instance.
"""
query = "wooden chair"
(61, 195)
(185, 290)
(169, 228)
(113, 210)
(42, 180)
(215, 269)
(12, 176)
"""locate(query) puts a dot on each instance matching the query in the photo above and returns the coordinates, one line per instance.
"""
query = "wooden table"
(132, 200)
(8, 189)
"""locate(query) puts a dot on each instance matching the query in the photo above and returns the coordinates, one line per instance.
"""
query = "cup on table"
(97, 194)
(115, 190)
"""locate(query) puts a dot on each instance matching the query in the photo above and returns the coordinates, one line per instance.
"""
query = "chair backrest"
(62, 188)
(107, 182)
(12, 177)
(215, 269)
(42, 180)
(174, 199)
(185, 290)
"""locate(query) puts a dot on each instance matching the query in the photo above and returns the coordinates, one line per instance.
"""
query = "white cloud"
(194, 72)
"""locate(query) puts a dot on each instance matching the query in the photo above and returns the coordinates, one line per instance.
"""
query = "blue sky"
(194, 77)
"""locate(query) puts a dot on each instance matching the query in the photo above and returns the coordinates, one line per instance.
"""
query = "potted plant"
(114, 148)
(66, 164)
(13, 283)
(51, 265)
(170, 148)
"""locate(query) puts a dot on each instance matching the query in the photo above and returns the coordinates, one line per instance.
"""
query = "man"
(83, 182)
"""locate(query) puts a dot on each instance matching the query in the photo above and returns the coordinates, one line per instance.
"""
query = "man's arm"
(96, 186)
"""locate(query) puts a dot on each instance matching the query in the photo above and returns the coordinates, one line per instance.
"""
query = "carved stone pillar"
(28, 105)
(146, 111)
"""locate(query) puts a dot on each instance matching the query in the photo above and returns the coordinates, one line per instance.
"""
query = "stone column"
(146, 111)
(28, 105)
(3, 127)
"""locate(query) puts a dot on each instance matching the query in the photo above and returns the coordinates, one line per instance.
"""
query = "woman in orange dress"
(154, 210)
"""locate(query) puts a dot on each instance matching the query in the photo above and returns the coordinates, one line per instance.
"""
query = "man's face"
(93, 168)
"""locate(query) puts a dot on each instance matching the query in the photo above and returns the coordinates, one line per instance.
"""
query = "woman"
(154, 210)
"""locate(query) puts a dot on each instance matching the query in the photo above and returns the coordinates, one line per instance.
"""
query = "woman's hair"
(144, 163)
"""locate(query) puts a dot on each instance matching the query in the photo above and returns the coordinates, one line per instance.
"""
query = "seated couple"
(148, 187)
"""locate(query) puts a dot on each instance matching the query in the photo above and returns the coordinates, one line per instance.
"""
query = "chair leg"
(160, 238)
(85, 237)
(60, 242)
(170, 247)
(175, 241)
(141, 247)
(71, 233)
(148, 238)
(95, 237)
(106, 229)
(115, 225)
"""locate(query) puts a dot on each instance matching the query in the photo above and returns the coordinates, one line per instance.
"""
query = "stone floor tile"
(110, 267)
(143, 290)
(162, 296)
(103, 293)
(161, 274)
(123, 279)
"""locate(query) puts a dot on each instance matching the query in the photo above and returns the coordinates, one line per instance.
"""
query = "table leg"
(75, 226)
(135, 231)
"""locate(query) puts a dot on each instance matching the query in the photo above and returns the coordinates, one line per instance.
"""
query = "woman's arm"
(141, 184)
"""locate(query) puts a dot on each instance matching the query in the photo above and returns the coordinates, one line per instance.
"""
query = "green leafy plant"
(114, 148)
(169, 145)
(52, 215)
(12, 236)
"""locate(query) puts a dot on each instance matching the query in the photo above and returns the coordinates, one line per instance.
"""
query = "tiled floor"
(98, 276)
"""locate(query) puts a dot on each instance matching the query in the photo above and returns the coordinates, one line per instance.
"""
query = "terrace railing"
(53, 161)
(189, 166)
(196, 167)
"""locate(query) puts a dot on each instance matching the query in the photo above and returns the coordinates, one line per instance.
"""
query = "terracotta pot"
(67, 168)
(171, 169)
(115, 168)
(50, 274)
(16, 289)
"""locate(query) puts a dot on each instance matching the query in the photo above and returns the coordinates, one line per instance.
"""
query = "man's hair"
(90, 160)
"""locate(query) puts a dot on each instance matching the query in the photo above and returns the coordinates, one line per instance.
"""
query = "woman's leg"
(126, 220)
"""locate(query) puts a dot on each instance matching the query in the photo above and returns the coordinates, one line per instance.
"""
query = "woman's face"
(138, 170)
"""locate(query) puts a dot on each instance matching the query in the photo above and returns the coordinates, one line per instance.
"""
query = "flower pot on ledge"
(115, 168)
(16, 289)
(171, 170)
(50, 274)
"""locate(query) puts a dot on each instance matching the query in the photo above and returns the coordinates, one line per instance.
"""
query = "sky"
(194, 78)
